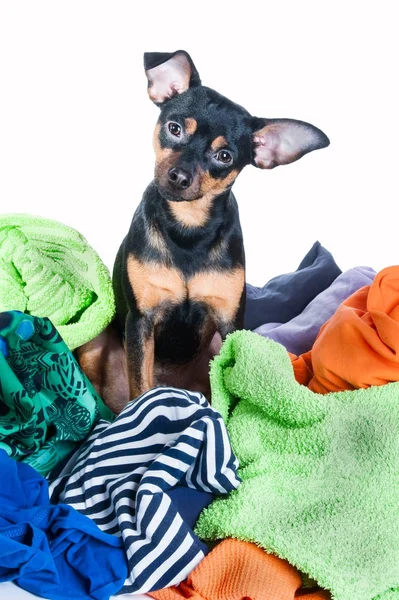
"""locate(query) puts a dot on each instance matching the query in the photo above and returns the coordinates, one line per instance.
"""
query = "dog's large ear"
(169, 74)
(282, 141)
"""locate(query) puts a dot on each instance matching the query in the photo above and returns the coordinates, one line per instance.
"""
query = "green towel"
(47, 406)
(320, 473)
(49, 270)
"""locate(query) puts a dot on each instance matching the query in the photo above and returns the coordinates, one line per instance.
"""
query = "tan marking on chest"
(221, 290)
(219, 143)
(154, 284)
(193, 213)
(190, 126)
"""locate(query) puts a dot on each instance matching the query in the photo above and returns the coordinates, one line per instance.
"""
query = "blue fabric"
(189, 503)
(53, 551)
(125, 478)
(286, 296)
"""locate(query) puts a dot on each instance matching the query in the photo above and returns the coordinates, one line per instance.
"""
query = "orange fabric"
(237, 570)
(359, 345)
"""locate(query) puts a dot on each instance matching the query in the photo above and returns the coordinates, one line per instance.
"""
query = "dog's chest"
(156, 286)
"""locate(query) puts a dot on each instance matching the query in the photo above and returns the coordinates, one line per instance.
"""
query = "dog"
(179, 275)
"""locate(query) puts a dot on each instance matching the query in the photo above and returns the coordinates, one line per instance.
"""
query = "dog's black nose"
(179, 179)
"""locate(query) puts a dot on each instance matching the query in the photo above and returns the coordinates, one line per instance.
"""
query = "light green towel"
(320, 473)
(49, 270)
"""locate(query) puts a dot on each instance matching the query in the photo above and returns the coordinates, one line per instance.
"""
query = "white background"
(76, 123)
(9, 591)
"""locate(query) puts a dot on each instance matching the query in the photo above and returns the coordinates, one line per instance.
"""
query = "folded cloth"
(319, 473)
(49, 270)
(359, 346)
(123, 478)
(189, 503)
(235, 570)
(285, 296)
(53, 551)
(299, 334)
(47, 405)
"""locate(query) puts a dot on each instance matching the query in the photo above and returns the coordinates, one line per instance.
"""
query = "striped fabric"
(122, 475)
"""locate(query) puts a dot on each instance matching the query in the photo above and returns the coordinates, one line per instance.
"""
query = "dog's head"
(203, 140)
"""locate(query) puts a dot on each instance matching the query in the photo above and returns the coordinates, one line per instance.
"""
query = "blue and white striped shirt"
(121, 477)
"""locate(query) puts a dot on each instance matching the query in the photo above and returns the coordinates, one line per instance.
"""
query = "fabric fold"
(298, 334)
(235, 570)
(47, 405)
(319, 472)
(53, 551)
(285, 296)
(48, 269)
(128, 476)
(358, 346)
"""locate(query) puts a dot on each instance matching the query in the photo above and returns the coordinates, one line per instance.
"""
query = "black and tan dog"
(179, 276)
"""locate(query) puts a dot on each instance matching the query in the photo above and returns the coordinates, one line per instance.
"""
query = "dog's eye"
(224, 156)
(175, 129)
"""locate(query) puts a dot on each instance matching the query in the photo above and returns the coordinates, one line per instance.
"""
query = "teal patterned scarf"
(47, 405)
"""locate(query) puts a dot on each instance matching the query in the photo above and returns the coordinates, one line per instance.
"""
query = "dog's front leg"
(226, 326)
(139, 340)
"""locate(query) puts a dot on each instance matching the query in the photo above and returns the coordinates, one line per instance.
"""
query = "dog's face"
(203, 140)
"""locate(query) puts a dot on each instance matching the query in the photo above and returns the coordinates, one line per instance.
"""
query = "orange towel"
(359, 345)
(237, 570)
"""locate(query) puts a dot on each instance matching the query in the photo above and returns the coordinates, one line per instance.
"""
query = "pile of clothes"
(286, 487)
(128, 488)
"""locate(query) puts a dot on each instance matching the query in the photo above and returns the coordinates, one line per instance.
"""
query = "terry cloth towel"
(49, 270)
(299, 334)
(320, 483)
(235, 570)
(285, 296)
(46, 403)
(359, 346)
(123, 475)
(53, 551)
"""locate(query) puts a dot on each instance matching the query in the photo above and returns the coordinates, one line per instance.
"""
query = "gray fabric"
(285, 296)
(299, 334)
